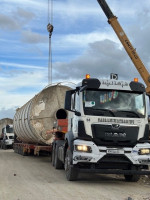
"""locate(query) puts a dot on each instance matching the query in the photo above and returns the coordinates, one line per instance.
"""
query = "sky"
(82, 42)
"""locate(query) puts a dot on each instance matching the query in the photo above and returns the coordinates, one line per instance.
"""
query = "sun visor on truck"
(91, 83)
(137, 87)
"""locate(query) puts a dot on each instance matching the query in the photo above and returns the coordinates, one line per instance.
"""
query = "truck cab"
(108, 129)
(7, 137)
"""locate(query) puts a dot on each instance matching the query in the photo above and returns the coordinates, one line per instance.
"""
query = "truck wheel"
(5, 147)
(57, 163)
(132, 178)
(53, 155)
(71, 173)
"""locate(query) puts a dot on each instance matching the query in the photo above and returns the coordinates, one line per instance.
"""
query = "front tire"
(53, 155)
(57, 163)
(71, 173)
(4, 146)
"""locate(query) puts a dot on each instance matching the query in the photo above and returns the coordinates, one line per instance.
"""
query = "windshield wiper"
(132, 112)
(101, 109)
(107, 110)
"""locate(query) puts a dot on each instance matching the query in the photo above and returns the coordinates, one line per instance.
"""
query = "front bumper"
(98, 152)
(112, 171)
(9, 142)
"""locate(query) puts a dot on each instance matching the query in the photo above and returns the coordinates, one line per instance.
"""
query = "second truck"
(6, 133)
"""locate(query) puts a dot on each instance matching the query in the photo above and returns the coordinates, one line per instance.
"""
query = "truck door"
(76, 107)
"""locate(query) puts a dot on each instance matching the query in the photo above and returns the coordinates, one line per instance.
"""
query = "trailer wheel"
(18, 149)
(15, 149)
(21, 151)
(132, 178)
(71, 173)
(57, 163)
(24, 153)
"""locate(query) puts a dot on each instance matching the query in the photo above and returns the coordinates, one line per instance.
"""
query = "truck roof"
(113, 84)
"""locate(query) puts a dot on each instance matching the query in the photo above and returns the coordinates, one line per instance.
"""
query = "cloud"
(19, 88)
(8, 23)
(16, 19)
(33, 37)
(81, 40)
(24, 14)
(4, 113)
(100, 59)
(13, 81)
(16, 65)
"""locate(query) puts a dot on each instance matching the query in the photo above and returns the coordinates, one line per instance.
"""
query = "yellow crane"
(112, 20)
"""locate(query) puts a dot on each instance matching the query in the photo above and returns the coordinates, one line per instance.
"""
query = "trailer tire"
(18, 149)
(24, 153)
(57, 163)
(132, 178)
(71, 173)
(21, 151)
(15, 149)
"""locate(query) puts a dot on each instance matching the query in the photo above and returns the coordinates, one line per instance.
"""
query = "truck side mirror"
(68, 99)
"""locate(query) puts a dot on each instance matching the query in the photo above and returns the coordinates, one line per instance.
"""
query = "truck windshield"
(9, 129)
(114, 103)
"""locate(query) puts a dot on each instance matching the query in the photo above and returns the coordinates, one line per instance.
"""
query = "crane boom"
(112, 20)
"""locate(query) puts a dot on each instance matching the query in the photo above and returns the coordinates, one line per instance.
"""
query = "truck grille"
(112, 135)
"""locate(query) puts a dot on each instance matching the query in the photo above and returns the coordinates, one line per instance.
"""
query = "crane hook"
(50, 29)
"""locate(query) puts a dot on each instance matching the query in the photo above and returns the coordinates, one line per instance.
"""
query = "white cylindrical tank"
(38, 115)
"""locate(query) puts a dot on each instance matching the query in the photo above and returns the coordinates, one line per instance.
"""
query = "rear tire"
(71, 173)
(132, 178)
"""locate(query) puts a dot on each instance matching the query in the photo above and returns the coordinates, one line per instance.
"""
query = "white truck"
(108, 130)
(7, 137)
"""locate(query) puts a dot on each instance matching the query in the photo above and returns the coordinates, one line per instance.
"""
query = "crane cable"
(50, 30)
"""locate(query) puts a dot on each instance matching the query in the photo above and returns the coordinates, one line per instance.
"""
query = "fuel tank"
(38, 115)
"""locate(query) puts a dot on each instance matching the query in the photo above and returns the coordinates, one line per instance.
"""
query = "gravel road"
(34, 178)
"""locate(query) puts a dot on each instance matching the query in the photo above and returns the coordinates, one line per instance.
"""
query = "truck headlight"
(83, 148)
(144, 151)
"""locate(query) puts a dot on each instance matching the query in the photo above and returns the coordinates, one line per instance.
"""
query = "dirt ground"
(34, 178)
